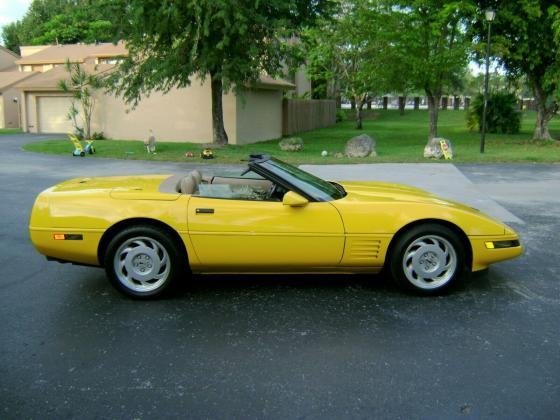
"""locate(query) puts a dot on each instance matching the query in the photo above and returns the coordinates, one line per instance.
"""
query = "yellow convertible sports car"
(149, 231)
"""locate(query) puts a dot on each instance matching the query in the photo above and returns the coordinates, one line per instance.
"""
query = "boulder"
(435, 148)
(291, 144)
(360, 146)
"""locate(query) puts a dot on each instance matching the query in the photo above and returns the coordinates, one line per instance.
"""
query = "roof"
(76, 53)
(9, 78)
(267, 82)
(5, 50)
(49, 80)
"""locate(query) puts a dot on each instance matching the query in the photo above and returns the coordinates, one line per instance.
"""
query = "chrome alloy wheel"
(142, 264)
(429, 262)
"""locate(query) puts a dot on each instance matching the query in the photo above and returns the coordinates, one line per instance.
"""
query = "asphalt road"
(310, 347)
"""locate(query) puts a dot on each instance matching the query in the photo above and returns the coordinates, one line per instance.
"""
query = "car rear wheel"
(142, 261)
(428, 259)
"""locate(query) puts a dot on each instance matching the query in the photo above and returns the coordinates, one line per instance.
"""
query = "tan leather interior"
(188, 185)
(241, 188)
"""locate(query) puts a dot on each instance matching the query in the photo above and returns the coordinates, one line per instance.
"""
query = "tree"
(523, 40)
(394, 55)
(65, 22)
(229, 43)
(345, 52)
(11, 37)
(75, 26)
(82, 85)
(30, 26)
(432, 35)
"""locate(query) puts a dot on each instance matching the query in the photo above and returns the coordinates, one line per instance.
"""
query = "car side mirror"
(293, 199)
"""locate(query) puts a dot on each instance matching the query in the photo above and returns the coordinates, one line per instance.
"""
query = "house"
(10, 99)
(179, 115)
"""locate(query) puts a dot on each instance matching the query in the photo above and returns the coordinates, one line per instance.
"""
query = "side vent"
(362, 251)
(364, 248)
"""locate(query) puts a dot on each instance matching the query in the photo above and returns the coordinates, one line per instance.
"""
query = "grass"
(9, 131)
(399, 139)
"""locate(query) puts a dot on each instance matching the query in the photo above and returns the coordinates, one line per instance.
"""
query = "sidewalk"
(440, 178)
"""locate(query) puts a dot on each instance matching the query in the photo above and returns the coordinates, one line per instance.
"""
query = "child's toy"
(79, 148)
(207, 154)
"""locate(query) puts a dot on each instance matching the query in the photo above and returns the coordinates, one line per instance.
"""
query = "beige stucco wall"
(11, 117)
(179, 115)
(259, 116)
(182, 115)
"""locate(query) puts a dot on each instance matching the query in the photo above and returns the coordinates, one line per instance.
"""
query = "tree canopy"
(524, 41)
(395, 45)
(230, 43)
(345, 53)
(65, 22)
(357, 48)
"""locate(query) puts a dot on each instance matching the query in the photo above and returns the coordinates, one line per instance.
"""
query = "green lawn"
(9, 131)
(399, 139)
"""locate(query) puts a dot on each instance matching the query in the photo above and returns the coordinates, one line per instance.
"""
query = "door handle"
(204, 211)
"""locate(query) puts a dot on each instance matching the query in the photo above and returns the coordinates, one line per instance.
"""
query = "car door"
(231, 235)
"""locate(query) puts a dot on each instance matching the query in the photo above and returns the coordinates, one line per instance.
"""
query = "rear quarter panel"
(90, 214)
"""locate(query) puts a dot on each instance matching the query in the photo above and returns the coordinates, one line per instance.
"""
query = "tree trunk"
(544, 115)
(433, 106)
(402, 104)
(219, 133)
(359, 104)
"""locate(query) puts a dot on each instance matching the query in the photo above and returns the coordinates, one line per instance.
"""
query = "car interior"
(235, 188)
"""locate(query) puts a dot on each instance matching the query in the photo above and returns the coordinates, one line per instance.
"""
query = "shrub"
(291, 144)
(502, 114)
(340, 115)
(98, 135)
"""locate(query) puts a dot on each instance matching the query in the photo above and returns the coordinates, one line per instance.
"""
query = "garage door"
(52, 114)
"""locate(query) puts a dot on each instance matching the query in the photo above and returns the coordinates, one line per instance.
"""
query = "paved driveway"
(278, 346)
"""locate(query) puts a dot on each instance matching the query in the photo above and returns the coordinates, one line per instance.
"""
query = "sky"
(12, 10)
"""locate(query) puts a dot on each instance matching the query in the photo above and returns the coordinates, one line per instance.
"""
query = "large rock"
(360, 146)
(291, 144)
(435, 148)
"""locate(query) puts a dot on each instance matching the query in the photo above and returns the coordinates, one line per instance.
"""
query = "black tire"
(143, 261)
(82, 154)
(428, 260)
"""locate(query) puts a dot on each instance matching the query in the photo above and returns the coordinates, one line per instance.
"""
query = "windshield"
(313, 186)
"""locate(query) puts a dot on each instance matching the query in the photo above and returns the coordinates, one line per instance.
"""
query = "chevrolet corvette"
(148, 232)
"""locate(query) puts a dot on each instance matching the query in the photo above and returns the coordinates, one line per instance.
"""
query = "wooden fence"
(299, 115)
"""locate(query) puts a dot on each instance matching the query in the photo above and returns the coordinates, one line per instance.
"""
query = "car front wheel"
(428, 260)
(142, 261)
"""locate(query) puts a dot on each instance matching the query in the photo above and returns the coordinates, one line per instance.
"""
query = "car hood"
(365, 191)
(136, 187)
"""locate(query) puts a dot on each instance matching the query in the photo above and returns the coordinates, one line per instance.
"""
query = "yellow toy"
(79, 148)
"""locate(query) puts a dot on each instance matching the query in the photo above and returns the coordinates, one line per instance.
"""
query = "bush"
(98, 135)
(291, 144)
(340, 115)
(502, 114)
